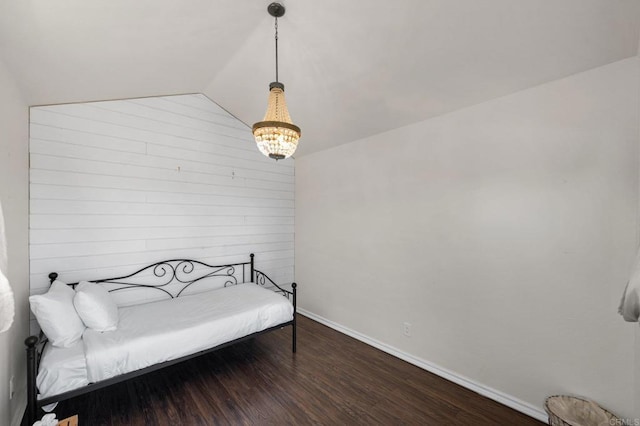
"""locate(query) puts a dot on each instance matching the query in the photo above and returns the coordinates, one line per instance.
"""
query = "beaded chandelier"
(276, 135)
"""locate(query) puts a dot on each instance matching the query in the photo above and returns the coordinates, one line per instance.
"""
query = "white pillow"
(56, 315)
(96, 307)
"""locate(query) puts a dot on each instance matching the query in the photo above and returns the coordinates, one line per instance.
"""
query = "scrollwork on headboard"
(174, 277)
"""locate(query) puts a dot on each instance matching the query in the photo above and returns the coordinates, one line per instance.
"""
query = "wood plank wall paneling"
(117, 185)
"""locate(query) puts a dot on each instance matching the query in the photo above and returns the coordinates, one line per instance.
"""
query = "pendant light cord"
(276, 49)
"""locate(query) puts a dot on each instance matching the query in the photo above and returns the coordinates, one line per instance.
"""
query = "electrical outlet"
(11, 387)
(406, 329)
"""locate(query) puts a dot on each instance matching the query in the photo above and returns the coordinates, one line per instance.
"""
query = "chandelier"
(276, 135)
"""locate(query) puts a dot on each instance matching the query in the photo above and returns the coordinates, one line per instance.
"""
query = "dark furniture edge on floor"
(169, 271)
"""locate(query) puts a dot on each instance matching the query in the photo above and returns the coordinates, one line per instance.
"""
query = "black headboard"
(174, 276)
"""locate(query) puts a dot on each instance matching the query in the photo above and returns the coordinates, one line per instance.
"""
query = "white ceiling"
(351, 68)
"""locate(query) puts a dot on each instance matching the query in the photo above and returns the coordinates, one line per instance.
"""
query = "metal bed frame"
(182, 274)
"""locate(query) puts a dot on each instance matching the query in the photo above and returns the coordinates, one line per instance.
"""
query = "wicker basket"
(566, 410)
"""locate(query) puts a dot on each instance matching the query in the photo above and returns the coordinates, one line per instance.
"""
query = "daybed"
(204, 308)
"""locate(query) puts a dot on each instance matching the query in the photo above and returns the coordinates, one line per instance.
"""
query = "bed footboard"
(32, 367)
(293, 326)
(262, 279)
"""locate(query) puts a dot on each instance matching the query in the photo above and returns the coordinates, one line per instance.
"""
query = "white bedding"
(155, 332)
(61, 369)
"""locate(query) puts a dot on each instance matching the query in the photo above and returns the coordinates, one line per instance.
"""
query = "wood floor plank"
(332, 380)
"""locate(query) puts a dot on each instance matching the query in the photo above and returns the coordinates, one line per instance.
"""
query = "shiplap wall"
(121, 184)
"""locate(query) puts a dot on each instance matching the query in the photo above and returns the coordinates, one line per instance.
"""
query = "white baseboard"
(508, 400)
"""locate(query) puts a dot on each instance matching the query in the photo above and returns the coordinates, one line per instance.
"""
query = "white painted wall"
(504, 233)
(118, 185)
(636, 412)
(637, 333)
(14, 119)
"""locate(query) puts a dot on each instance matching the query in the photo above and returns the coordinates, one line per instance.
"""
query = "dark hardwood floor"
(332, 380)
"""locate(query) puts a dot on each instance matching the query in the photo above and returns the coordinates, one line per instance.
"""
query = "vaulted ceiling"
(351, 68)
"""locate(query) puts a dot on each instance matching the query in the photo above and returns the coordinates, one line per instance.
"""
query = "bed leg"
(294, 286)
(251, 256)
(32, 402)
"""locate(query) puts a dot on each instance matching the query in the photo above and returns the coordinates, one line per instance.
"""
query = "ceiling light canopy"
(276, 135)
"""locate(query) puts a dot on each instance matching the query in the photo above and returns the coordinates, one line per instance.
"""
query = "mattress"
(161, 331)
